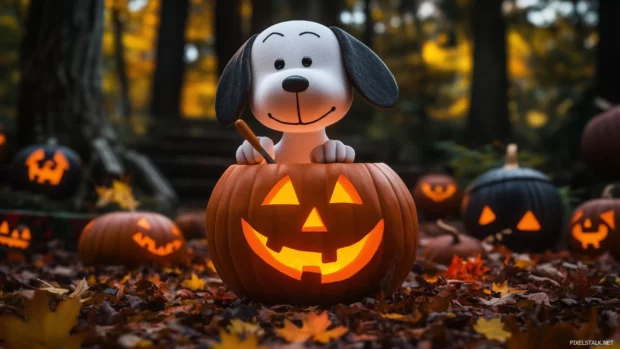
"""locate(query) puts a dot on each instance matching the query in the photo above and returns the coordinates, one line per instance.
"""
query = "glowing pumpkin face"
(132, 238)
(322, 233)
(437, 196)
(46, 169)
(17, 238)
(593, 227)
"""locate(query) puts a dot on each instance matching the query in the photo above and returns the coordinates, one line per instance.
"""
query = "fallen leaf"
(130, 340)
(230, 341)
(242, 328)
(313, 326)
(492, 329)
(508, 298)
(119, 193)
(503, 289)
(467, 270)
(194, 284)
(54, 290)
(539, 298)
(42, 328)
(80, 288)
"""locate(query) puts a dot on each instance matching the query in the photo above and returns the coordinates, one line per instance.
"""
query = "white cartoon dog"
(298, 77)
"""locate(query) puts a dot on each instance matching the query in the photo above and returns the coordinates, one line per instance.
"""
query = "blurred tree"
(228, 34)
(119, 57)
(488, 115)
(170, 64)
(61, 65)
(369, 28)
(261, 15)
(608, 61)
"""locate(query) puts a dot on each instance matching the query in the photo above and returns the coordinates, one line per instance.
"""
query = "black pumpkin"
(599, 143)
(520, 199)
(48, 169)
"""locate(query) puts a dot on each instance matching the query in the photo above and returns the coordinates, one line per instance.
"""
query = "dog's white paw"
(332, 151)
(247, 155)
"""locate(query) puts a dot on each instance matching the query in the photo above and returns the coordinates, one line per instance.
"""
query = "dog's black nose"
(295, 84)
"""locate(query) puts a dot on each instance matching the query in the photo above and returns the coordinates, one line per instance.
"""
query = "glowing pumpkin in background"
(437, 196)
(599, 144)
(311, 233)
(132, 238)
(593, 226)
(52, 170)
(2, 142)
(18, 237)
(520, 199)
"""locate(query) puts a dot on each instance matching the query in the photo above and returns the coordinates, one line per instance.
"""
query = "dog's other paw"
(247, 155)
(332, 151)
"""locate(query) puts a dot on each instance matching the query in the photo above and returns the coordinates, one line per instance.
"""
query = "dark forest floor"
(501, 300)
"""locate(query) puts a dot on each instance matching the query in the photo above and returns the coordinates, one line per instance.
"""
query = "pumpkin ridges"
(410, 225)
(211, 215)
(228, 273)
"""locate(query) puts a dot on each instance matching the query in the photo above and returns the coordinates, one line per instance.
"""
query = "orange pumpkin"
(311, 233)
(593, 229)
(132, 238)
(437, 196)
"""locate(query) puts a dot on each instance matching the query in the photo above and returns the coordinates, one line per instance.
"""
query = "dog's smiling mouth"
(333, 109)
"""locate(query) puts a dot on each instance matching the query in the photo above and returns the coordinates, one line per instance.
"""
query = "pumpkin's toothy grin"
(350, 259)
(590, 238)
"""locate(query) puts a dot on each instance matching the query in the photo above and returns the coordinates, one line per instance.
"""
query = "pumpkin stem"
(511, 156)
(456, 239)
(608, 191)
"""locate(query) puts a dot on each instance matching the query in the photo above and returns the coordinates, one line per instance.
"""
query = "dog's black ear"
(367, 72)
(234, 86)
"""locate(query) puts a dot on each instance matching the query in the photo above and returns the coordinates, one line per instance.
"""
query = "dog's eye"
(279, 63)
(306, 61)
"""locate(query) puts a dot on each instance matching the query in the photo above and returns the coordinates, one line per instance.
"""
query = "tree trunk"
(228, 35)
(608, 69)
(330, 13)
(170, 69)
(121, 68)
(61, 74)
(369, 27)
(261, 15)
(488, 118)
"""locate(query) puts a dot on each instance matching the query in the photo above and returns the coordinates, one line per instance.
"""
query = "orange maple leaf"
(467, 270)
(313, 326)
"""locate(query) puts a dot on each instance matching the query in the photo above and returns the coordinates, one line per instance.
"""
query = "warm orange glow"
(175, 230)
(345, 192)
(487, 216)
(590, 238)
(15, 239)
(150, 245)
(350, 260)
(577, 215)
(314, 223)
(587, 224)
(528, 222)
(2, 139)
(51, 171)
(439, 193)
(143, 223)
(608, 217)
(282, 193)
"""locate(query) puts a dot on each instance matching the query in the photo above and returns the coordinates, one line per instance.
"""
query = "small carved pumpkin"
(18, 237)
(599, 143)
(443, 248)
(311, 233)
(52, 170)
(132, 238)
(520, 199)
(437, 196)
(594, 224)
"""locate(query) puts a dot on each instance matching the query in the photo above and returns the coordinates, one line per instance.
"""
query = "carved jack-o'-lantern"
(322, 233)
(520, 199)
(437, 196)
(594, 224)
(51, 170)
(18, 237)
(131, 238)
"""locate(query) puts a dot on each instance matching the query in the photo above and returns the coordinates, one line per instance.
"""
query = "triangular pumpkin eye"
(608, 217)
(345, 192)
(487, 216)
(528, 222)
(283, 193)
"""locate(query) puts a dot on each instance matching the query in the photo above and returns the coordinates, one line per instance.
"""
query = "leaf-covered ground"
(500, 300)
